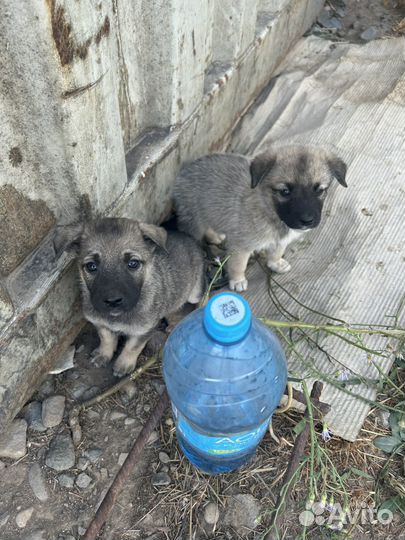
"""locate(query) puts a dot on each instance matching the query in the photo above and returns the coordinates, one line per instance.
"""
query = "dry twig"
(108, 502)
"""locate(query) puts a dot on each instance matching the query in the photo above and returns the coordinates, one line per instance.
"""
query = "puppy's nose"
(113, 302)
(307, 220)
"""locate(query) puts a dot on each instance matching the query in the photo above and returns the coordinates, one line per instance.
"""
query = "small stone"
(61, 453)
(93, 415)
(4, 519)
(14, 442)
(104, 473)
(33, 415)
(2, 465)
(83, 480)
(129, 421)
(23, 517)
(163, 457)
(169, 422)
(69, 537)
(122, 457)
(327, 21)
(41, 454)
(117, 415)
(370, 34)
(78, 388)
(52, 411)
(242, 513)
(82, 463)
(128, 392)
(146, 408)
(37, 482)
(164, 468)
(90, 393)
(159, 386)
(73, 375)
(93, 454)
(38, 534)
(64, 362)
(47, 388)
(66, 480)
(153, 437)
(211, 513)
(161, 479)
(341, 11)
(81, 530)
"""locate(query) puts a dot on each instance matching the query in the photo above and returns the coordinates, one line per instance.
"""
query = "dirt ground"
(177, 510)
(358, 21)
(175, 504)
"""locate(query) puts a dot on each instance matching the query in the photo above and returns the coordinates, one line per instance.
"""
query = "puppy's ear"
(260, 167)
(67, 238)
(158, 235)
(338, 169)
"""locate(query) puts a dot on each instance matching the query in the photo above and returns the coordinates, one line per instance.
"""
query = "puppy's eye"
(91, 267)
(134, 264)
(318, 188)
(284, 192)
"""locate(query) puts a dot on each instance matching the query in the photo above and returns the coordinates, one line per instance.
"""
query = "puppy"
(255, 204)
(132, 275)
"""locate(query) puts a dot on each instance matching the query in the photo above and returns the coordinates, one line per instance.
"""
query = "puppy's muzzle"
(308, 221)
(113, 302)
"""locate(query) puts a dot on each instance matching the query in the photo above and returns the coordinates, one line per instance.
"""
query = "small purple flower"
(344, 375)
(326, 434)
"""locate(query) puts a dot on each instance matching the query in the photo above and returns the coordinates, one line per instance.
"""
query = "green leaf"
(299, 428)
(361, 473)
(395, 504)
(387, 444)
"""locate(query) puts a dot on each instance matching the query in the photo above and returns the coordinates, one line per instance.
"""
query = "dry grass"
(182, 503)
(365, 477)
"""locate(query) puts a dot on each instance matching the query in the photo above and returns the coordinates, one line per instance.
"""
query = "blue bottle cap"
(227, 317)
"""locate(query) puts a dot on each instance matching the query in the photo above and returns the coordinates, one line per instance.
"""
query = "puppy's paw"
(124, 365)
(99, 359)
(213, 237)
(281, 266)
(238, 285)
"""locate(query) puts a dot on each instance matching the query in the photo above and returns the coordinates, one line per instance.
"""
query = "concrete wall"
(100, 103)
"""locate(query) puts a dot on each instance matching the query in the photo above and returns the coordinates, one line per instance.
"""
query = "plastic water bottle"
(225, 374)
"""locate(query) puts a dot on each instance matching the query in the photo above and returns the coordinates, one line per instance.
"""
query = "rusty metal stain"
(66, 44)
(104, 30)
(15, 156)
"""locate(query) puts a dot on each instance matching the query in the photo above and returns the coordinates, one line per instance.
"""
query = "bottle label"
(224, 445)
(227, 309)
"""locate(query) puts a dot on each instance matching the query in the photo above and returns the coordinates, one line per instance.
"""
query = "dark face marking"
(301, 208)
(300, 205)
(296, 184)
(114, 282)
(113, 257)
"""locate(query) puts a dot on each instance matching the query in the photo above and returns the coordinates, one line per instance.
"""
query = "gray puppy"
(255, 204)
(132, 275)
